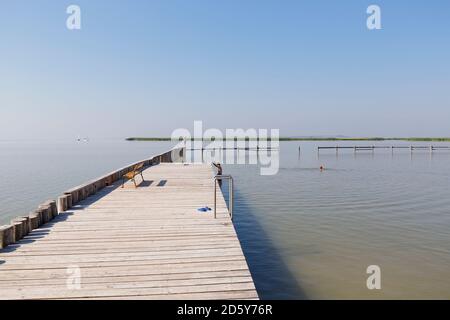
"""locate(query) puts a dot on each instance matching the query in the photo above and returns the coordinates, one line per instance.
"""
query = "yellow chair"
(137, 170)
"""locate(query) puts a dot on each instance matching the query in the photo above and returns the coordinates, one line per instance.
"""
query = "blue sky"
(146, 68)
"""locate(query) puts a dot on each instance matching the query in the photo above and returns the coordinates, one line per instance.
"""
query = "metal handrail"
(230, 194)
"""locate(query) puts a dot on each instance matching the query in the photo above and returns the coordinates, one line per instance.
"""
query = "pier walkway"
(149, 242)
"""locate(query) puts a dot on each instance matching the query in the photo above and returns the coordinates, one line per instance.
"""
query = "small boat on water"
(82, 139)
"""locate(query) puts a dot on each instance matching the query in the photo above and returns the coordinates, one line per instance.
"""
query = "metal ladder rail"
(230, 193)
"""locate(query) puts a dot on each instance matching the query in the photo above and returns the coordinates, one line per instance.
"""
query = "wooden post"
(69, 201)
(83, 192)
(40, 214)
(101, 184)
(18, 225)
(46, 213)
(74, 195)
(62, 203)
(26, 224)
(35, 220)
(53, 208)
(6, 236)
(89, 190)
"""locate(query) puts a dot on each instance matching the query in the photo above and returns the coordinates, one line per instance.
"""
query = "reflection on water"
(312, 234)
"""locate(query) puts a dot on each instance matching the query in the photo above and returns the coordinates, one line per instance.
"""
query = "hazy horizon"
(308, 68)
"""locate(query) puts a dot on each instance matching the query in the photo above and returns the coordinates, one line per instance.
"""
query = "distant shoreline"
(306, 139)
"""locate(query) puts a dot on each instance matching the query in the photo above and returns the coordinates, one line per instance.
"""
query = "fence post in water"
(6, 236)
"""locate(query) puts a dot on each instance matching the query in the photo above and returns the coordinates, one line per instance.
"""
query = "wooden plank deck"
(144, 243)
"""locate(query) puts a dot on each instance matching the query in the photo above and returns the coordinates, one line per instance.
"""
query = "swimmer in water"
(322, 168)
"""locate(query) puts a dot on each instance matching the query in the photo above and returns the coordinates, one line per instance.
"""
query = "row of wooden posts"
(21, 226)
(372, 148)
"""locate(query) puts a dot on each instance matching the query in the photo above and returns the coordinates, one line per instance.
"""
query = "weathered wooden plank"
(102, 257)
(129, 278)
(149, 242)
(148, 261)
(231, 295)
(127, 270)
(141, 283)
(55, 293)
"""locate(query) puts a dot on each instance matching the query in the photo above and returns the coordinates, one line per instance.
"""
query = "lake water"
(34, 171)
(306, 234)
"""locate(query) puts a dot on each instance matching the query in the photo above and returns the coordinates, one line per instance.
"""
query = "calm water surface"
(311, 234)
(306, 234)
(34, 171)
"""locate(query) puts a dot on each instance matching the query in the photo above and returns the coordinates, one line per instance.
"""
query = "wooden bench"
(136, 171)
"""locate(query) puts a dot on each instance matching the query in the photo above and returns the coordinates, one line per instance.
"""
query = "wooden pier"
(149, 242)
